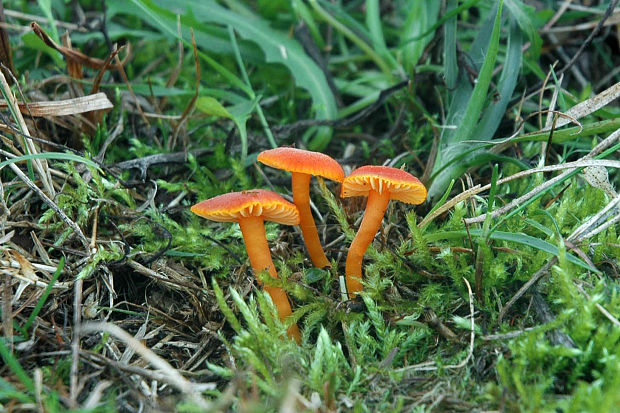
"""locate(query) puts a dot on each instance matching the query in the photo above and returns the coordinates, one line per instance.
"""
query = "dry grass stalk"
(65, 107)
(28, 146)
(170, 374)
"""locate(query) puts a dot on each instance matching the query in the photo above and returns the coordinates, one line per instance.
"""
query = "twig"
(506, 336)
(146, 373)
(39, 164)
(557, 337)
(142, 164)
(192, 102)
(556, 16)
(435, 323)
(586, 43)
(431, 365)
(44, 20)
(7, 311)
(170, 374)
(542, 187)
(602, 309)
(75, 342)
(538, 275)
(51, 204)
(585, 230)
(336, 123)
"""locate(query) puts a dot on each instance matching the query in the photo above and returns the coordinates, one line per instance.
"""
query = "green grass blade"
(451, 68)
(246, 79)
(375, 28)
(524, 16)
(484, 48)
(451, 12)
(420, 16)
(478, 97)
(46, 293)
(443, 198)
(575, 132)
(15, 367)
(46, 8)
(59, 156)
(304, 14)
(506, 84)
(518, 238)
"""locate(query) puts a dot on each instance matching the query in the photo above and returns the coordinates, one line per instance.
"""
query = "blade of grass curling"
(46, 293)
(558, 232)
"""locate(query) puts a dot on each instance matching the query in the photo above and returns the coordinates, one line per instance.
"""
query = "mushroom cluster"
(250, 209)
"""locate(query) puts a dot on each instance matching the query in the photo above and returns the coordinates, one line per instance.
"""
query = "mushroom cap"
(302, 161)
(402, 185)
(234, 206)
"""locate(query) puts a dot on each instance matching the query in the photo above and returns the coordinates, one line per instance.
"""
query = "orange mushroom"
(303, 164)
(250, 209)
(379, 184)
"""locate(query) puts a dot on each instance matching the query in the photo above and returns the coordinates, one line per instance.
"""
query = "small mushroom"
(250, 209)
(379, 184)
(303, 164)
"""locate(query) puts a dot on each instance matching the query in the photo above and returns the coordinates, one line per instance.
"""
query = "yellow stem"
(375, 210)
(300, 184)
(253, 231)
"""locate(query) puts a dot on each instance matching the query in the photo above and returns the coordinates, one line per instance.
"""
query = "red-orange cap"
(234, 206)
(402, 185)
(302, 161)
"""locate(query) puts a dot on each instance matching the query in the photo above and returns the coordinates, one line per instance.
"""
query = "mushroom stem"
(300, 184)
(253, 231)
(375, 210)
